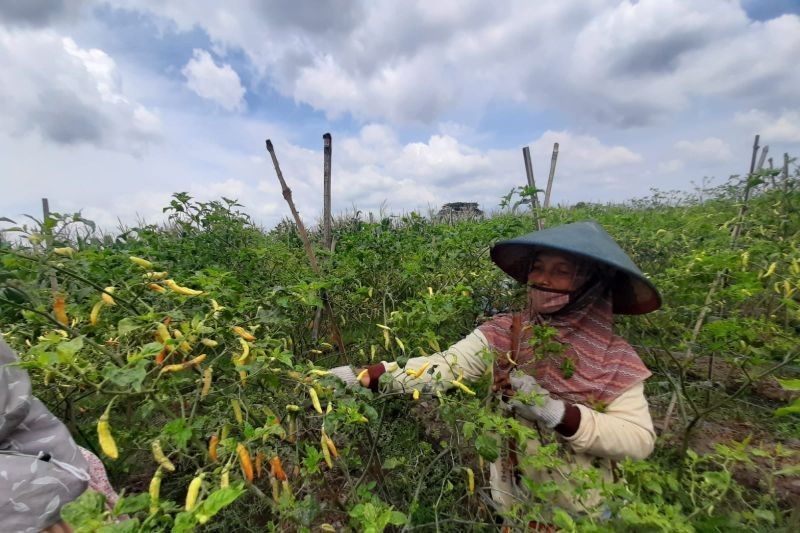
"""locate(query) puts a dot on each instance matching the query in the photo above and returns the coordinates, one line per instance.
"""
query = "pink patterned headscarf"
(603, 365)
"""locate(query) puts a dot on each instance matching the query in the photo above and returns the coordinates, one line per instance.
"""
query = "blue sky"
(110, 107)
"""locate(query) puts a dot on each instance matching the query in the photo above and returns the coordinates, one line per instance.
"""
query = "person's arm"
(41, 468)
(466, 358)
(624, 430)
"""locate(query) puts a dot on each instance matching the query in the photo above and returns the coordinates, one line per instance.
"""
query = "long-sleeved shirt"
(623, 430)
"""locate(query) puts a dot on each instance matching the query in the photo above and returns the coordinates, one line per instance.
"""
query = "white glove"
(346, 374)
(544, 409)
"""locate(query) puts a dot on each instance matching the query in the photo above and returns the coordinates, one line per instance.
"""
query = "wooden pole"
(301, 229)
(737, 228)
(785, 172)
(550, 177)
(326, 220)
(526, 156)
(327, 149)
(763, 157)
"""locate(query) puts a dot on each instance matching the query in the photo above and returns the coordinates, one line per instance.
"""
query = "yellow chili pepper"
(276, 488)
(144, 263)
(386, 339)
(237, 411)
(155, 276)
(66, 251)
(207, 373)
(463, 387)
(326, 452)
(470, 480)
(163, 332)
(418, 372)
(209, 342)
(361, 374)
(292, 407)
(400, 344)
(59, 309)
(107, 443)
(245, 355)
(193, 492)
(318, 372)
(155, 490)
(106, 296)
(291, 432)
(183, 366)
(243, 333)
(185, 291)
(415, 395)
(329, 443)
(95, 314)
(225, 478)
(161, 459)
(315, 400)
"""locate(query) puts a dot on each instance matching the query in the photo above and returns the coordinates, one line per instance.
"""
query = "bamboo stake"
(550, 177)
(326, 220)
(763, 157)
(743, 209)
(326, 172)
(301, 229)
(526, 155)
(785, 172)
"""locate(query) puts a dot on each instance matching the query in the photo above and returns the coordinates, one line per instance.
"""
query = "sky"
(111, 107)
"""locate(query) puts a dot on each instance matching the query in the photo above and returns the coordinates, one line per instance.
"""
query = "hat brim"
(633, 294)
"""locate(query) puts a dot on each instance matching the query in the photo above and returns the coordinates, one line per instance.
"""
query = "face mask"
(546, 302)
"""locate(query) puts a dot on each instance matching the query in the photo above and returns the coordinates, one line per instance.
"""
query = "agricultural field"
(201, 335)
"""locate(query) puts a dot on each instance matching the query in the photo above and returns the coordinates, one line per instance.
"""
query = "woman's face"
(553, 270)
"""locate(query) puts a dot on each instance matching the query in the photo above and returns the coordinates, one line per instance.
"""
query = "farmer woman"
(588, 396)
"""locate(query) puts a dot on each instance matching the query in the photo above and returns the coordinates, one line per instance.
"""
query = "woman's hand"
(543, 408)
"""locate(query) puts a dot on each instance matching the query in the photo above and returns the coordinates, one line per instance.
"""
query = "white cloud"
(621, 62)
(219, 84)
(773, 127)
(69, 95)
(709, 149)
(671, 166)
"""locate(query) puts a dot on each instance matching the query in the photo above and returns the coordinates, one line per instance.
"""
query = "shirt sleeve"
(624, 430)
(468, 358)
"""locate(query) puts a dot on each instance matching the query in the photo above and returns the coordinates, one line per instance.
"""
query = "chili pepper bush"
(184, 355)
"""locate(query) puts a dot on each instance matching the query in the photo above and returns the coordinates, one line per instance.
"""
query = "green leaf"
(217, 501)
(127, 325)
(563, 520)
(179, 431)
(127, 377)
(764, 514)
(132, 504)
(790, 384)
(67, 349)
(85, 513)
(487, 447)
(184, 522)
(793, 408)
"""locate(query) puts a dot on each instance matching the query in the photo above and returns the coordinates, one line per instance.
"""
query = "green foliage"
(400, 288)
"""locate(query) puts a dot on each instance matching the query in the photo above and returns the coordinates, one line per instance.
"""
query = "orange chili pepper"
(212, 447)
(245, 462)
(276, 468)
